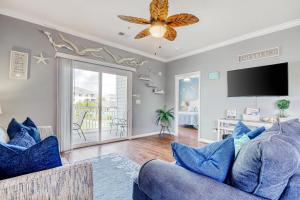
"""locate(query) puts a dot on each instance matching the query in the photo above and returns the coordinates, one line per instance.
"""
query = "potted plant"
(282, 105)
(164, 118)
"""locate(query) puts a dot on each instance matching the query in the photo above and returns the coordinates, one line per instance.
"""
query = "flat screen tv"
(271, 80)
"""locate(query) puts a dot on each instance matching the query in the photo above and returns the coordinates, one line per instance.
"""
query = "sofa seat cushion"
(265, 164)
(22, 139)
(213, 160)
(14, 127)
(160, 180)
(41, 156)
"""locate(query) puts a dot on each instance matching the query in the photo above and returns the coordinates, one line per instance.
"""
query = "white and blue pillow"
(15, 127)
(216, 159)
(22, 139)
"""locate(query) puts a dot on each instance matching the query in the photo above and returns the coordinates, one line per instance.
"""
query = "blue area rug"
(113, 177)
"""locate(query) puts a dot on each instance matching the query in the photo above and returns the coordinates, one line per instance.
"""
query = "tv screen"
(271, 80)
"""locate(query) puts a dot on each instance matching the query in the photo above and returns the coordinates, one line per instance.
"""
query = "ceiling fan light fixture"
(158, 30)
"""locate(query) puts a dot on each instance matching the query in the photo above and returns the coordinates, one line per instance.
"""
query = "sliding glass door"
(101, 104)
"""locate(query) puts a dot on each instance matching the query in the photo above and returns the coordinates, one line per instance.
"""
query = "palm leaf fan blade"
(159, 10)
(170, 34)
(183, 19)
(135, 20)
(142, 34)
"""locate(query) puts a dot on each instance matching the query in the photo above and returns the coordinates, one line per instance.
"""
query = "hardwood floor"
(139, 150)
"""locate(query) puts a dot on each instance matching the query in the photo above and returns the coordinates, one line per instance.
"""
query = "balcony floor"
(93, 136)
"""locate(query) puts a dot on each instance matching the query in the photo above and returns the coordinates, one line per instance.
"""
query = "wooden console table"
(226, 126)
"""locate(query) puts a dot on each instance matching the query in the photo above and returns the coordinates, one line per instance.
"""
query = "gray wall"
(36, 97)
(214, 100)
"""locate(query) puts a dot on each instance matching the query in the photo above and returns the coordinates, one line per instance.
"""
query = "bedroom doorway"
(187, 106)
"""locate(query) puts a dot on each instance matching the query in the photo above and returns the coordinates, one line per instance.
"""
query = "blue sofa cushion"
(256, 132)
(240, 129)
(213, 160)
(265, 165)
(22, 139)
(42, 156)
(15, 127)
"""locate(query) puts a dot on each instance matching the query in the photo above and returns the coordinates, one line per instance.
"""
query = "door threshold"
(90, 144)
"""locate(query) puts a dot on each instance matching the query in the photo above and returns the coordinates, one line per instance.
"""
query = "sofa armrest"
(45, 131)
(164, 181)
(66, 182)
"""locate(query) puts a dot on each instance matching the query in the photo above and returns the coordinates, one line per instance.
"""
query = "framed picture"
(19, 62)
(252, 111)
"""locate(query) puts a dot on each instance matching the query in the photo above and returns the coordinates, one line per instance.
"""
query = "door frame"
(100, 69)
(177, 78)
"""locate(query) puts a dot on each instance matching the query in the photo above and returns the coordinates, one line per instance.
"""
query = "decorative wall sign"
(214, 75)
(273, 52)
(41, 59)
(19, 62)
(93, 52)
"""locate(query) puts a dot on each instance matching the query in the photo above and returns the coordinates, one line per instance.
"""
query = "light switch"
(138, 101)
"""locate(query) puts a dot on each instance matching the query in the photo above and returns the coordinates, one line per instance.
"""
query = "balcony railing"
(91, 120)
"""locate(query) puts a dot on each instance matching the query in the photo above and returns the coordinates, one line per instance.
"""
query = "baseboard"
(208, 141)
(143, 135)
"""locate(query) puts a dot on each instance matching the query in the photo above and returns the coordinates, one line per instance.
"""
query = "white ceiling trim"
(76, 33)
(251, 35)
(266, 31)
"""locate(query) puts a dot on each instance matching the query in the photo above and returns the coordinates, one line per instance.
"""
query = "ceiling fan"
(160, 24)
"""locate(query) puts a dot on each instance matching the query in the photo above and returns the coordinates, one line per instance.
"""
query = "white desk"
(226, 126)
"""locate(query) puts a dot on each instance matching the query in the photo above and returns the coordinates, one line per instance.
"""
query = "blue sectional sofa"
(268, 167)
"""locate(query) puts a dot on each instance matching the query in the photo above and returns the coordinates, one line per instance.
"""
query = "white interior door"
(102, 104)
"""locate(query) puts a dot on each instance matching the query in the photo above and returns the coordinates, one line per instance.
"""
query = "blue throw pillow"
(240, 129)
(22, 139)
(15, 127)
(256, 132)
(267, 165)
(14, 148)
(42, 156)
(213, 160)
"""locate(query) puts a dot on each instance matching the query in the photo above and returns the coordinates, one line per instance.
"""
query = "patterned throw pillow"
(239, 142)
(15, 127)
(22, 139)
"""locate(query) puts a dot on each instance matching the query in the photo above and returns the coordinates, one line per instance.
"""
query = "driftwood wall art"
(93, 52)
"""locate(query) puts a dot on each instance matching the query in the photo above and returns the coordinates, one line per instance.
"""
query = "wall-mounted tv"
(270, 80)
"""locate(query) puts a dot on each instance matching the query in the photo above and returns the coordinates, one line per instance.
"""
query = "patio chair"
(117, 122)
(78, 125)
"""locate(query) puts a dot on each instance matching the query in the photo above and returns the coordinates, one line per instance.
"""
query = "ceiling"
(221, 22)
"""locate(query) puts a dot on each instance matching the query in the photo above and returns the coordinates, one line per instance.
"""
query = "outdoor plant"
(164, 116)
(282, 105)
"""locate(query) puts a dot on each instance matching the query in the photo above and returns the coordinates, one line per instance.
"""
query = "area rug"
(113, 177)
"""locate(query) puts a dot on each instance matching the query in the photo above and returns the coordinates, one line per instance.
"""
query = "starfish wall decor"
(41, 59)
